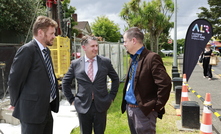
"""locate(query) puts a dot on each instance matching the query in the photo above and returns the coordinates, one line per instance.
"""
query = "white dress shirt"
(95, 67)
(41, 48)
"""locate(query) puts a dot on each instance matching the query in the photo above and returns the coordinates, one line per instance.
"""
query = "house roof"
(82, 26)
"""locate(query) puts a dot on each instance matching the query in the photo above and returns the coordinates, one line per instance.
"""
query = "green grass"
(117, 122)
(168, 124)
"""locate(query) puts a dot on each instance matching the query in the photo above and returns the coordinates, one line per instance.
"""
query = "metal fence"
(113, 50)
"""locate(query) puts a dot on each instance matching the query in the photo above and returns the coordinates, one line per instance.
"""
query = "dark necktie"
(133, 67)
(50, 74)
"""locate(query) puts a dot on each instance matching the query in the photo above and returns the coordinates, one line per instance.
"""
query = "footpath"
(203, 86)
(64, 121)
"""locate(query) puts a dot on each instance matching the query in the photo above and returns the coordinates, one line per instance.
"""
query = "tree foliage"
(151, 17)
(180, 43)
(16, 15)
(105, 28)
(68, 12)
(213, 15)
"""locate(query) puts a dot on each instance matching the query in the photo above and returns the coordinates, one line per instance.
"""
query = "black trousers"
(207, 67)
(92, 120)
(45, 127)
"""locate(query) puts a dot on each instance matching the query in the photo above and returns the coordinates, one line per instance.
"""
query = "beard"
(47, 41)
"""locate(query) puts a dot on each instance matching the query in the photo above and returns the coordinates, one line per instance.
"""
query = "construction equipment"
(60, 51)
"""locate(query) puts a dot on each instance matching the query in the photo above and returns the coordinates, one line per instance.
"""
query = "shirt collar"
(138, 52)
(86, 58)
(40, 45)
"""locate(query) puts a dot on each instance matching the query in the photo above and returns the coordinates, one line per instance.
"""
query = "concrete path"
(202, 86)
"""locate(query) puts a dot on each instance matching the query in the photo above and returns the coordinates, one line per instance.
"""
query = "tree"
(16, 15)
(106, 28)
(213, 15)
(180, 43)
(68, 12)
(152, 18)
(164, 36)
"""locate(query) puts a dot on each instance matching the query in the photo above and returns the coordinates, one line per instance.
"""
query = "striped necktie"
(50, 73)
(90, 72)
(133, 67)
(90, 69)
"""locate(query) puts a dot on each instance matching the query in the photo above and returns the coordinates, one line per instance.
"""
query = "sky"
(89, 10)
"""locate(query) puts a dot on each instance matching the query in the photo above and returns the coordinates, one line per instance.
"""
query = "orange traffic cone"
(184, 94)
(206, 125)
(184, 78)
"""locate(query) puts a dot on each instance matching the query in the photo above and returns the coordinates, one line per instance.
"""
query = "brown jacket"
(152, 84)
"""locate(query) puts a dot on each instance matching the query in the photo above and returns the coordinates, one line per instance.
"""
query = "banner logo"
(200, 30)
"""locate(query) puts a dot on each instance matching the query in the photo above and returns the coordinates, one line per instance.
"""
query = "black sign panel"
(198, 35)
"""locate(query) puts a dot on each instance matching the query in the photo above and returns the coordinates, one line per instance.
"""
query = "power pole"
(175, 36)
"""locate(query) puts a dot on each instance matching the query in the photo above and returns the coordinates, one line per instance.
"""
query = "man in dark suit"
(147, 87)
(31, 83)
(92, 99)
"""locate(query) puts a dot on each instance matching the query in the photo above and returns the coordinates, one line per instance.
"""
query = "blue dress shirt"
(130, 97)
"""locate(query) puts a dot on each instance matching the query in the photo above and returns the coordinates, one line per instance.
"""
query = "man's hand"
(11, 108)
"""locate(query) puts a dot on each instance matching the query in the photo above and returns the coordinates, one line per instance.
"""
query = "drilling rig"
(60, 51)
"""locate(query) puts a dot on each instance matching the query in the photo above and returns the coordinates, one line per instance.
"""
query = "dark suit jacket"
(83, 98)
(152, 84)
(29, 85)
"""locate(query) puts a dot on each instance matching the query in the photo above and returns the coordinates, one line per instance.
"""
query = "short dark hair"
(135, 32)
(43, 22)
(84, 40)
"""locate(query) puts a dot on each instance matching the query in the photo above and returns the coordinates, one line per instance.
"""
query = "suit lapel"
(139, 66)
(99, 65)
(39, 53)
(41, 56)
(82, 65)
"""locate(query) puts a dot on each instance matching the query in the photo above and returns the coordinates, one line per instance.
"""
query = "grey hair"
(84, 40)
(135, 32)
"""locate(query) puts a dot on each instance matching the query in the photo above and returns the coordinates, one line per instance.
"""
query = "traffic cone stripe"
(206, 110)
(205, 129)
(184, 77)
(207, 103)
(184, 94)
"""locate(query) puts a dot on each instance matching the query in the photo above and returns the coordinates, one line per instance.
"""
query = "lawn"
(117, 122)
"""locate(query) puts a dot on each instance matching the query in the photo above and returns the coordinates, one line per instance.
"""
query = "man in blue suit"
(92, 99)
(31, 83)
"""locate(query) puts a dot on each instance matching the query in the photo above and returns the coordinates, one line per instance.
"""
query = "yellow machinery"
(60, 54)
